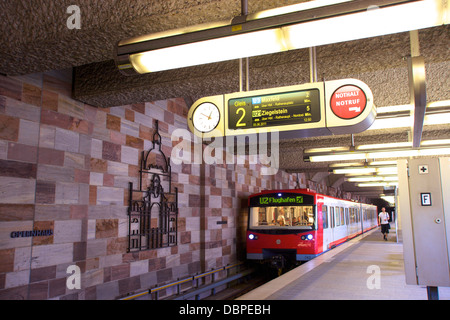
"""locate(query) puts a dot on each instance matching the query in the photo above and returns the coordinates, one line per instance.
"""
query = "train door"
(355, 221)
(339, 230)
(347, 221)
(360, 215)
(327, 229)
(333, 223)
(364, 215)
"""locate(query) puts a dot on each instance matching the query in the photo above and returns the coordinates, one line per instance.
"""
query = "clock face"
(206, 117)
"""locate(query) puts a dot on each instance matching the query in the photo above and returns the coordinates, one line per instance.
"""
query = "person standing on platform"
(383, 218)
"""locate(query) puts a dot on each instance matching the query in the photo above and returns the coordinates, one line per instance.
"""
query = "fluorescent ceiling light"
(402, 144)
(355, 171)
(364, 179)
(373, 179)
(390, 199)
(391, 123)
(378, 184)
(436, 118)
(392, 109)
(382, 154)
(384, 145)
(387, 170)
(434, 152)
(338, 157)
(439, 104)
(370, 23)
(360, 164)
(326, 149)
(346, 164)
(382, 163)
(435, 142)
(407, 153)
(281, 32)
(227, 48)
(407, 121)
(293, 8)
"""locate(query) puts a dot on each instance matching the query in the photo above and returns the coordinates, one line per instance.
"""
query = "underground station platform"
(169, 150)
(364, 268)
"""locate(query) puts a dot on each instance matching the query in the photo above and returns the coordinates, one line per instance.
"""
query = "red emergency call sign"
(348, 102)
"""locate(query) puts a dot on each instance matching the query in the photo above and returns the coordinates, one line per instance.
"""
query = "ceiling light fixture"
(355, 171)
(326, 149)
(381, 154)
(373, 179)
(274, 31)
(362, 164)
(438, 104)
(384, 145)
(390, 199)
(378, 184)
(403, 119)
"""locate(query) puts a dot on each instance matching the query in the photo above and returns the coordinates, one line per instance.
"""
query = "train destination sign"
(274, 109)
(281, 199)
(312, 109)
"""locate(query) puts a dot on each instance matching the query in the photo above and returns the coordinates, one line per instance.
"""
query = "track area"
(236, 290)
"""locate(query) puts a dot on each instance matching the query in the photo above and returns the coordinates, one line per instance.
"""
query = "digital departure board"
(305, 110)
(285, 108)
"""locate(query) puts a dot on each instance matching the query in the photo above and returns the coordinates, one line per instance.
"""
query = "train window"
(342, 216)
(346, 215)
(337, 219)
(325, 216)
(295, 217)
(262, 214)
(332, 217)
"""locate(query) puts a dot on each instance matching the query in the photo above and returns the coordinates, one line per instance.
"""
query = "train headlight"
(251, 236)
(307, 237)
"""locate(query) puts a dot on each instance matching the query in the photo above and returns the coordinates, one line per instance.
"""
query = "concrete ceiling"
(35, 38)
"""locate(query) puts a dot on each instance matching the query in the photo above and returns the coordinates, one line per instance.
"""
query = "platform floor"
(347, 272)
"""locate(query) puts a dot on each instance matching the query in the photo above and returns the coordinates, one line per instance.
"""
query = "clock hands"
(205, 117)
(209, 117)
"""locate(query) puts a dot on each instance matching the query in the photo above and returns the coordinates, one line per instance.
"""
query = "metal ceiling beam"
(417, 87)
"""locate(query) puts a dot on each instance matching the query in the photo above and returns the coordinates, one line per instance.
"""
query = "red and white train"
(298, 225)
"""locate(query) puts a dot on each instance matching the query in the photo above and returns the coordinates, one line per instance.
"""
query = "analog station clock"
(206, 117)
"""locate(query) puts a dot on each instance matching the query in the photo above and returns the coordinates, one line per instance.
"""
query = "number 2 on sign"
(239, 123)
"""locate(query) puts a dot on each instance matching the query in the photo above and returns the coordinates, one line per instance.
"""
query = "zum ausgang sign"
(312, 109)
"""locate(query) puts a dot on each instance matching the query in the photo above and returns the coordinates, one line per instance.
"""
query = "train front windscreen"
(298, 217)
(281, 210)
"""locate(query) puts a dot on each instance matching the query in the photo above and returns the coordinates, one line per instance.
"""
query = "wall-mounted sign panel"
(321, 108)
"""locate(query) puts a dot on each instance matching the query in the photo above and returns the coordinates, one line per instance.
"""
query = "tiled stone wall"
(65, 166)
